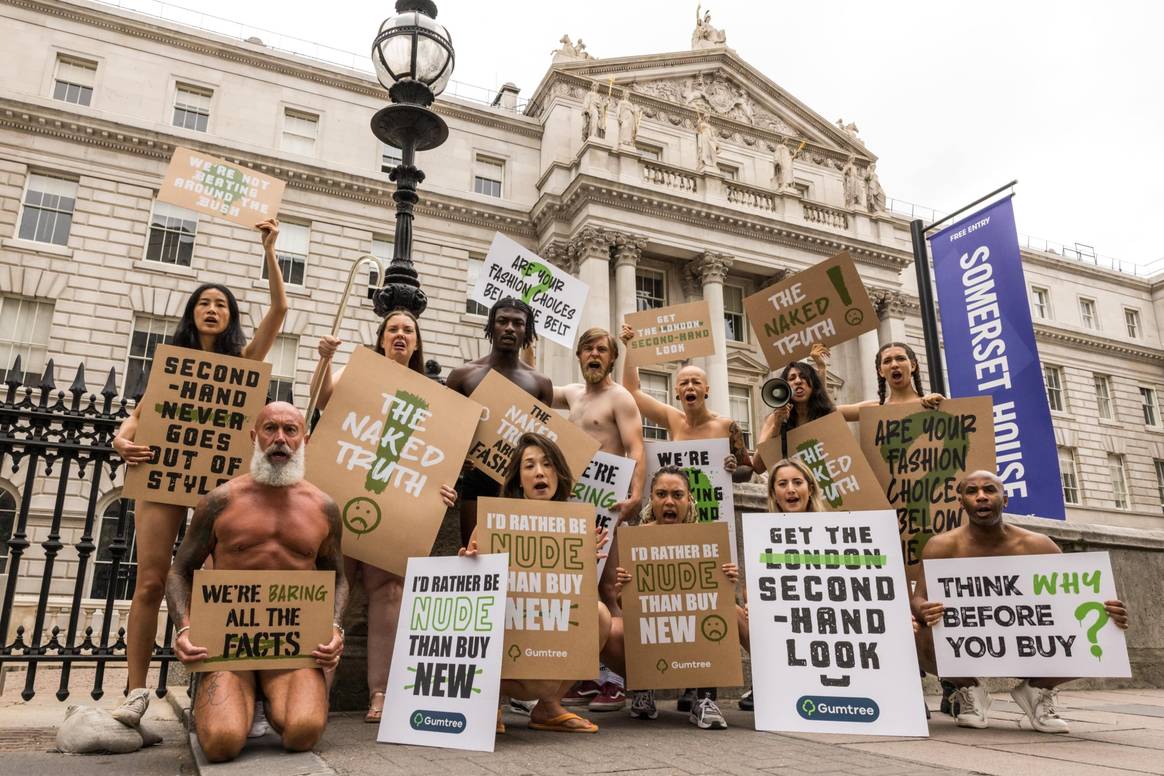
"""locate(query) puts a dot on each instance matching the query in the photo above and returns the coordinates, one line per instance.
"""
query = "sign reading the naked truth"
(511, 412)
(830, 451)
(672, 333)
(216, 187)
(919, 456)
(710, 483)
(1026, 615)
(556, 296)
(826, 303)
(196, 416)
(605, 482)
(827, 593)
(679, 608)
(551, 610)
(446, 665)
(251, 620)
(387, 441)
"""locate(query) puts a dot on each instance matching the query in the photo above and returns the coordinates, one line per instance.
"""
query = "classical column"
(867, 345)
(554, 361)
(891, 310)
(709, 271)
(627, 251)
(591, 251)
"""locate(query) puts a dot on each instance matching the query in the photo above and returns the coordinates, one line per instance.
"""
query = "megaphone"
(776, 392)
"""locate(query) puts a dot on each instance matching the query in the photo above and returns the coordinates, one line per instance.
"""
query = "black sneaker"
(686, 700)
(948, 690)
(642, 705)
(746, 700)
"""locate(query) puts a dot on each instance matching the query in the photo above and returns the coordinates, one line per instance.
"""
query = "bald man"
(694, 420)
(272, 520)
(983, 535)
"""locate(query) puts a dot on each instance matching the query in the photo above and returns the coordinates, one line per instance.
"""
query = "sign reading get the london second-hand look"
(216, 187)
(197, 414)
(674, 333)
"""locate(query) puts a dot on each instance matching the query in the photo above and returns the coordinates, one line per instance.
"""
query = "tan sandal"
(375, 712)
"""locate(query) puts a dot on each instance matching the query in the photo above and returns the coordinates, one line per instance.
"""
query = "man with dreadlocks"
(897, 371)
(510, 329)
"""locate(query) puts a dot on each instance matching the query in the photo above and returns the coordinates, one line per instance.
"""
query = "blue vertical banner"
(991, 351)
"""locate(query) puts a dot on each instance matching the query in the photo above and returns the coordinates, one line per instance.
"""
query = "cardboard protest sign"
(1026, 615)
(605, 482)
(679, 609)
(446, 665)
(556, 296)
(919, 455)
(673, 333)
(387, 441)
(251, 620)
(216, 187)
(196, 414)
(710, 483)
(831, 451)
(551, 610)
(825, 303)
(827, 593)
(509, 413)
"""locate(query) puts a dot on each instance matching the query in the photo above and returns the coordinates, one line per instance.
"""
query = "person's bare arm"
(743, 470)
(651, 408)
(545, 390)
(322, 376)
(123, 440)
(331, 558)
(196, 547)
(268, 329)
(852, 412)
(561, 397)
(927, 612)
(456, 380)
(630, 431)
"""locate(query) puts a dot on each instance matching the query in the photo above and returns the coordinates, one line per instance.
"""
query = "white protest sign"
(557, 297)
(606, 481)
(827, 594)
(710, 483)
(1026, 615)
(446, 665)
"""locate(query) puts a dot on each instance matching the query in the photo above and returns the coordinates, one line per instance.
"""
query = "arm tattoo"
(331, 557)
(196, 546)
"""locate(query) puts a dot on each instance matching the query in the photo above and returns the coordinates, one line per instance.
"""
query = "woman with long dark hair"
(398, 338)
(210, 322)
(809, 401)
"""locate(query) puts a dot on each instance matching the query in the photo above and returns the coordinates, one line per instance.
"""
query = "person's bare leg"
(607, 591)
(156, 528)
(924, 641)
(296, 705)
(614, 652)
(548, 694)
(745, 629)
(384, 591)
(224, 708)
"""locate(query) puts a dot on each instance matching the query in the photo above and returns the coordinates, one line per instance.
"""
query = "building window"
(1159, 480)
(1069, 472)
(740, 409)
(104, 580)
(1087, 313)
(729, 171)
(1151, 408)
(148, 333)
(382, 252)
(1041, 302)
(172, 232)
(1053, 377)
(488, 175)
(24, 331)
(74, 80)
(291, 251)
(1132, 319)
(8, 522)
(656, 386)
(300, 131)
(733, 313)
(654, 153)
(390, 156)
(48, 209)
(283, 358)
(1103, 396)
(472, 307)
(1119, 480)
(192, 107)
(650, 290)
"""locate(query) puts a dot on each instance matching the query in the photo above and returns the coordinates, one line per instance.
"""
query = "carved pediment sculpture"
(706, 36)
(717, 95)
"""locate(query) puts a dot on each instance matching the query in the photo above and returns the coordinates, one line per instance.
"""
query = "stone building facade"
(657, 179)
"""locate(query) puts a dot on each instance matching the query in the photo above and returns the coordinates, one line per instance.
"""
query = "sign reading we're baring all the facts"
(707, 479)
(673, 333)
(605, 482)
(826, 303)
(556, 296)
(196, 416)
(216, 187)
(1026, 615)
(250, 620)
(446, 664)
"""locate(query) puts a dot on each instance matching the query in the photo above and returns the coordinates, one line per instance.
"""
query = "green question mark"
(547, 279)
(1101, 619)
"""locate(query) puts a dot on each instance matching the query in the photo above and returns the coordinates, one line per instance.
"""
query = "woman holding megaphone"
(797, 397)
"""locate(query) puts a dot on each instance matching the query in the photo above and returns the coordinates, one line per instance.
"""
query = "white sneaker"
(706, 715)
(1039, 705)
(133, 708)
(259, 726)
(970, 706)
(521, 707)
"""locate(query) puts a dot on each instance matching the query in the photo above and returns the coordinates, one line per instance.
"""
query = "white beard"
(281, 475)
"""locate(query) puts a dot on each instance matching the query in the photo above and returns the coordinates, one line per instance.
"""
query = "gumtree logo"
(661, 666)
(417, 719)
(827, 708)
(437, 721)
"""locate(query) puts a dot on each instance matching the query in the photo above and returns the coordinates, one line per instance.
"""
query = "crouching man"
(270, 520)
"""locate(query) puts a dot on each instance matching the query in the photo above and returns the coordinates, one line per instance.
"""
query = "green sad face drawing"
(361, 515)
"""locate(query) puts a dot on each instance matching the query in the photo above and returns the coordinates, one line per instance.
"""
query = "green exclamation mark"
(838, 279)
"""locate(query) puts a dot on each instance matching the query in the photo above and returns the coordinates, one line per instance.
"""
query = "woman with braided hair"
(898, 381)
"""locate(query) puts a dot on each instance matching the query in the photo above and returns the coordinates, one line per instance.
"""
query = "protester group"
(595, 568)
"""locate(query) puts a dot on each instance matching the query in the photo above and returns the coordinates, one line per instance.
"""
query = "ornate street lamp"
(413, 56)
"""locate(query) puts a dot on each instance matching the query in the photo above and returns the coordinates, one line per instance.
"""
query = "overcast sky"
(955, 98)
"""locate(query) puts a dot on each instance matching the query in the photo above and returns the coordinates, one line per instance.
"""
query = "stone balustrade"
(665, 175)
(825, 216)
(749, 196)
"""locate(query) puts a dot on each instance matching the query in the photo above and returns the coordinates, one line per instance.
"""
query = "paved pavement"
(1112, 732)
